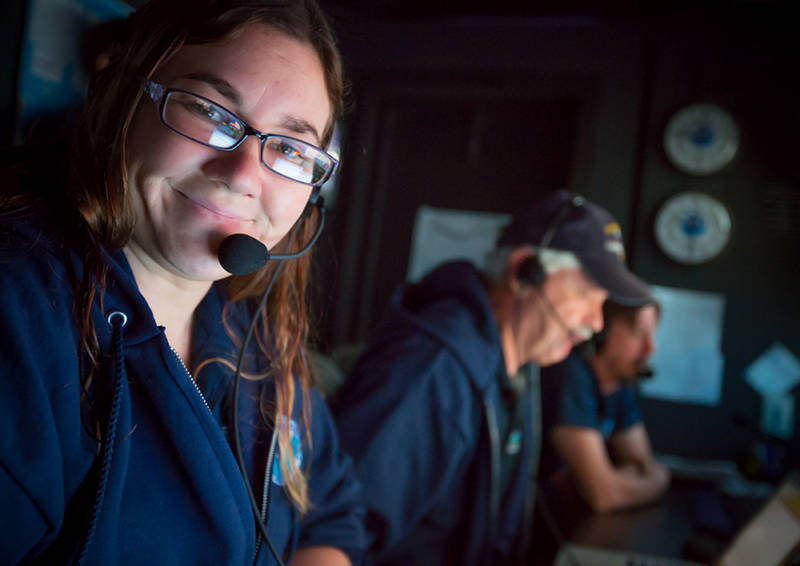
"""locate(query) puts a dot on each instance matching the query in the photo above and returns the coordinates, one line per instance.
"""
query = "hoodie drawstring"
(117, 320)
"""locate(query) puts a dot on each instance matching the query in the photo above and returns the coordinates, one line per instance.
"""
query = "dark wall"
(12, 26)
(749, 70)
(578, 102)
(502, 110)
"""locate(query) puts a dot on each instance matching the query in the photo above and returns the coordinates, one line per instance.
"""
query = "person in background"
(441, 413)
(595, 440)
(128, 437)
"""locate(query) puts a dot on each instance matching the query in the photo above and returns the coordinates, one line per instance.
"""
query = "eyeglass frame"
(159, 93)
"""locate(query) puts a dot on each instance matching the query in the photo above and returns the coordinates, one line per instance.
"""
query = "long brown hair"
(99, 189)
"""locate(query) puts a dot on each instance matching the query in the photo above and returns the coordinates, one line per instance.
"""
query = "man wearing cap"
(442, 414)
(595, 442)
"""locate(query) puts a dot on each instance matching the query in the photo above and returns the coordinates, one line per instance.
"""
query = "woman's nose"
(240, 170)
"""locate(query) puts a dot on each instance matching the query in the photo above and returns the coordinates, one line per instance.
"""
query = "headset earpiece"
(530, 271)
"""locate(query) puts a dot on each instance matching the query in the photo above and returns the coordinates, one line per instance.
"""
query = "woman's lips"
(211, 207)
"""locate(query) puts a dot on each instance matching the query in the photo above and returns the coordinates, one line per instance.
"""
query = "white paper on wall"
(688, 362)
(775, 372)
(442, 235)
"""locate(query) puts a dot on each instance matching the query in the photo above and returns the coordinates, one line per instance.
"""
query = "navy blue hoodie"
(173, 493)
(416, 414)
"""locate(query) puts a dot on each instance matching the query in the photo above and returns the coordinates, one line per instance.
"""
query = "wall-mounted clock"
(692, 227)
(701, 139)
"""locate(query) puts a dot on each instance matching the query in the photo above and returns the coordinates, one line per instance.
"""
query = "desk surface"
(662, 528)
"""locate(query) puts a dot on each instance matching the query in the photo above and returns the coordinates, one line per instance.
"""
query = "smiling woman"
(210, 119)
(187, 193)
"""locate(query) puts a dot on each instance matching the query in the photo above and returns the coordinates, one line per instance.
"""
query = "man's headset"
(531, 271)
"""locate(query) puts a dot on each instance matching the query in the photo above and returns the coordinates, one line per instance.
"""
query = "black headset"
(531, 271)
(240, 254)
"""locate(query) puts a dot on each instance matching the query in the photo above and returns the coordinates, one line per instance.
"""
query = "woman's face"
(188, 197)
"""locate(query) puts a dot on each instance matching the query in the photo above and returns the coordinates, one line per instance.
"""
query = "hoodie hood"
(451, 304)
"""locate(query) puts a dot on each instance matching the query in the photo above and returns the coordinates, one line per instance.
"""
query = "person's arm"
(332, 532)
(320, 556)
(631, 447)
(604, 487)
(42, 457)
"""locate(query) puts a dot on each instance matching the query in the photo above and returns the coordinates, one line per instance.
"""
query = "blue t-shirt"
(571, 397)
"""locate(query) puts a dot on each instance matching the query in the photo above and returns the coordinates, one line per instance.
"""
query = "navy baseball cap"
(563, 220)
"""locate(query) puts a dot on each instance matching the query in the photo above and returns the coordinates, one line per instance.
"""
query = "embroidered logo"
(514, 442)
(613, 243)
(296, 461)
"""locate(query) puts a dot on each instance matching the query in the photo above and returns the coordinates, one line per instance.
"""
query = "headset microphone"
(578, 334)
(240, 254)
(645, 373)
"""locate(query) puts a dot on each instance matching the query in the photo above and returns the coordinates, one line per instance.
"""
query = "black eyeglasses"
(206, 122)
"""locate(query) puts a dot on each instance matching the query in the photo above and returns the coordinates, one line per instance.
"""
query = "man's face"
(628, 347)
(566, 310)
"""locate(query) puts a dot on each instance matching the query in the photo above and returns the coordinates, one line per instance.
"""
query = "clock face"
(692, 228)
(701, 139)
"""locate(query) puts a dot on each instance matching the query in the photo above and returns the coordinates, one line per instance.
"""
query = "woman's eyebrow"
(299, 126)
(217, 83)
(291, 123)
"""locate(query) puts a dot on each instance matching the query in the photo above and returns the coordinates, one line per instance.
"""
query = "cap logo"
(613, 243)
(616, 248)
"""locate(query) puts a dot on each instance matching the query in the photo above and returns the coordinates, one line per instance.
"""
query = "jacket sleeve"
(336, 517)
(42, 459)
(398, 416)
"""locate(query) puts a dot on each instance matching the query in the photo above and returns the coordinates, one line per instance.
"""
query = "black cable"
(573, 334)
(237, 442)
(237, 379)
(547, 515)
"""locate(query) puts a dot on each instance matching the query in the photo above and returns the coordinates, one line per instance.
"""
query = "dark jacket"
(171, 489)
(419, 412)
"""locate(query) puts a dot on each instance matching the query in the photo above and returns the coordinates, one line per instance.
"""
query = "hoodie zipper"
(270, 456)
(191, 379)
(265, 493)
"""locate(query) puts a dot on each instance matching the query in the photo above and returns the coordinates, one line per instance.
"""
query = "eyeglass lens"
(212, 125)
